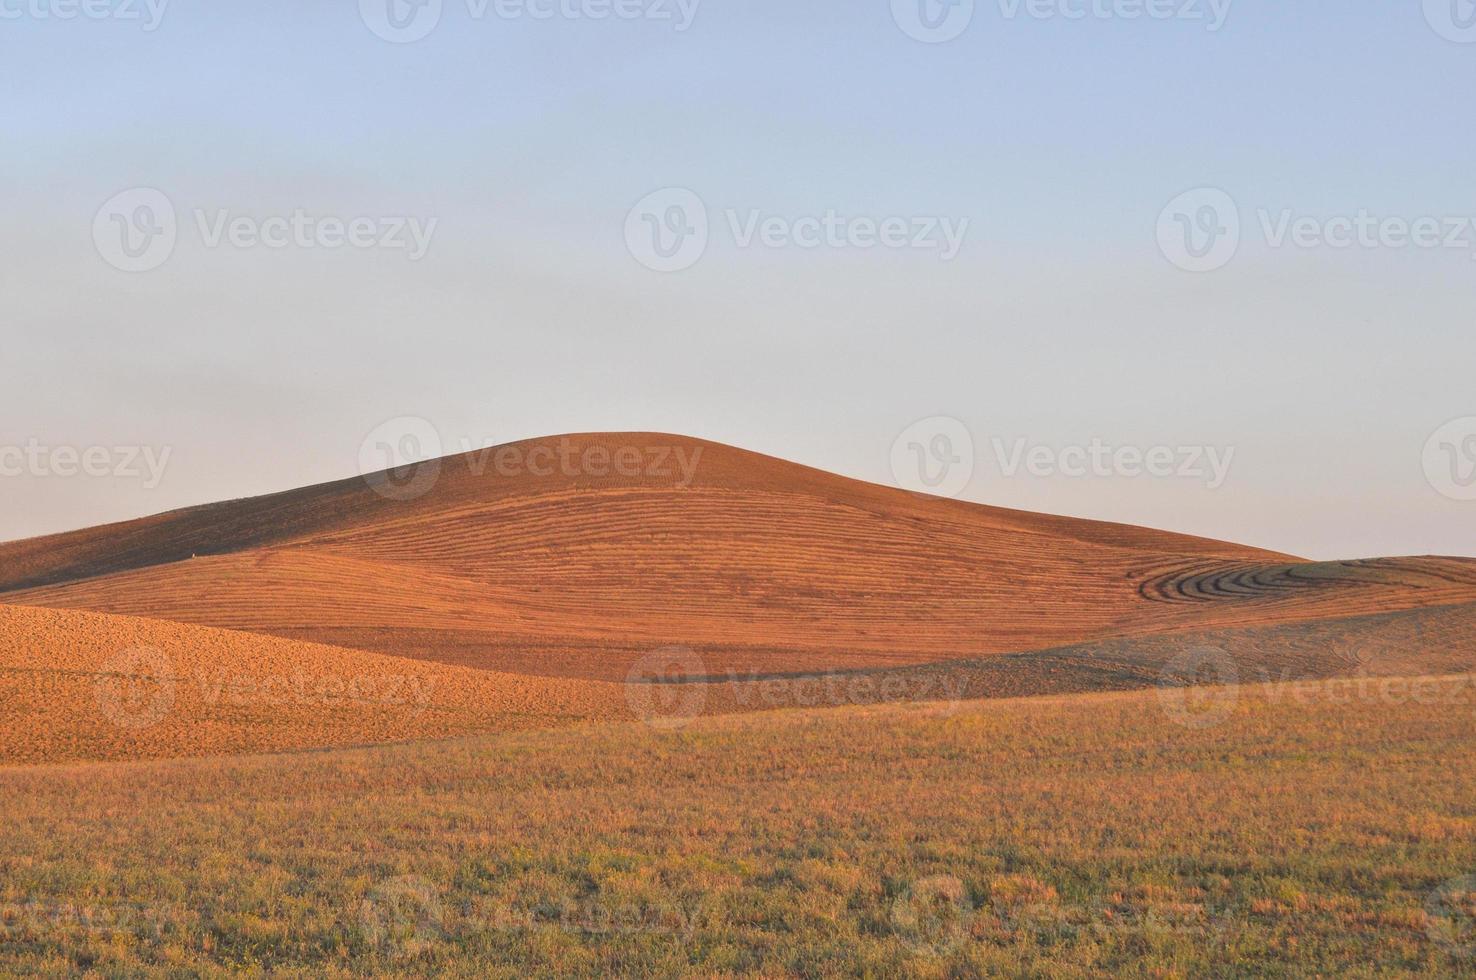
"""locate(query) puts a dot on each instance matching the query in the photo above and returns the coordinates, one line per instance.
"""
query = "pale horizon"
(1224, 242)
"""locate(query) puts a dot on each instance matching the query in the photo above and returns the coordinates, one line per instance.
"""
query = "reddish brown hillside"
(758, 563)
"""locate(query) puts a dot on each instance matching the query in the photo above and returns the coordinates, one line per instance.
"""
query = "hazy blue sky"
(1064, 317)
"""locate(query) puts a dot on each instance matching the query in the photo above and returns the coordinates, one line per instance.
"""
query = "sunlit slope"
(85, 686)
(758, 563)
(78, 686)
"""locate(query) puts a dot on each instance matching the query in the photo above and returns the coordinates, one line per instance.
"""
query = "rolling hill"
(545, 557)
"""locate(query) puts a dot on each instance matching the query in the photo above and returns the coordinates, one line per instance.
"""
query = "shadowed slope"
(565, 564)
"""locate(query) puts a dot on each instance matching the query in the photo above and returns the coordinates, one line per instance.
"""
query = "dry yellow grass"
(1314, 830)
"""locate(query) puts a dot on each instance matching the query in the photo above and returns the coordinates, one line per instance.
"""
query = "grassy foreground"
(1318, 829)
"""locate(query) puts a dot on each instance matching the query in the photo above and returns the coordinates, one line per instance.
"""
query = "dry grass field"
(1322, 829)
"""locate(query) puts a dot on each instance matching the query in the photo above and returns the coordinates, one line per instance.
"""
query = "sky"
(1199, 266)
